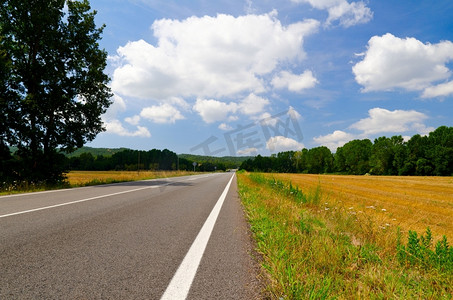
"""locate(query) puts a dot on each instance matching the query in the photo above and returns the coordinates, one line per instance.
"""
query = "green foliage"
(421, 155)
(53, 90)
(225, 162)
(419, 252)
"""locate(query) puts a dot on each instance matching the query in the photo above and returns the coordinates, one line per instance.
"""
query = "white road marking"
(181, 282)
(83, 200)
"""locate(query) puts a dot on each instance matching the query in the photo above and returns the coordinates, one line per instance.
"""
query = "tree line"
(132, 160)
(430, 155)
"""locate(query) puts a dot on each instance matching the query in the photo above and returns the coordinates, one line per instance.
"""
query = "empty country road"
(174, 238)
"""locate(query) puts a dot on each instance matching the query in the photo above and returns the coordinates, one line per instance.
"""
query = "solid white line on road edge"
(182, 280)
(82, 200)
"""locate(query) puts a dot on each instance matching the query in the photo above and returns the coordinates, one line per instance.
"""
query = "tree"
(56, 81)
(440, 151)
(319, 160)
(354, 157)
(386, 155)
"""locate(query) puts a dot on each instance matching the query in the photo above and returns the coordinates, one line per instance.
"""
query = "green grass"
(311, 252)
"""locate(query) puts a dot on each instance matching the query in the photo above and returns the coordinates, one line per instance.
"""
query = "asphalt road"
(128, 241)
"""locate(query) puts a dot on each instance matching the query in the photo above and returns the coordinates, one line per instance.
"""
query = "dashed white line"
(181, 282)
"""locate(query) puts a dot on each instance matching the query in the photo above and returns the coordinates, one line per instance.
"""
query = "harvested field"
(413, 203)
(81, 178)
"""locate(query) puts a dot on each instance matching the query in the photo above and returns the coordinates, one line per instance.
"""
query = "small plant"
(419, 252)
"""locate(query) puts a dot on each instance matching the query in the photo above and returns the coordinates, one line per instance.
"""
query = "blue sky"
(247, 77)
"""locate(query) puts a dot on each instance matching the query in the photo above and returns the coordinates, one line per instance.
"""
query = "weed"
(418, 252)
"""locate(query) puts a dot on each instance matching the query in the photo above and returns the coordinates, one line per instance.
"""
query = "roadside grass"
(89, 178)
(312, 250)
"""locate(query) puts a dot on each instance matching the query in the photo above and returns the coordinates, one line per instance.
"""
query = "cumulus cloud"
(281, 144)
(212, 110)
(164, 113)
(293, 82)
(208, 57)
(334, 140)
(391, 62)
(341, 11)
(253, 104)
(133, 120)
(381, 120)
(443, 89)
(115, 127)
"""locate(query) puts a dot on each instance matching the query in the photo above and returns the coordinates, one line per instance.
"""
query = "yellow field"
(412, 203)
(80, 178)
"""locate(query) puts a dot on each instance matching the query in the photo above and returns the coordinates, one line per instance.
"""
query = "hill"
(96, 151)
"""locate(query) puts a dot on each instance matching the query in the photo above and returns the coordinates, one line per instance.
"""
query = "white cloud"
(212, 110)
(164, 113)
(294, 114)
(208, 57)
(391, 62)
(293, 82)
(334, 140)
(281, 143)
(248, 151)
(443, 89)
(118, 105)
(382, 120)
(133, 120)
(347, 14)
(253, 104)
(115, 127)
(225, 127)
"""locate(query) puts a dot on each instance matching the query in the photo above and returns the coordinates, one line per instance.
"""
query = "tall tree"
(56, 80)
(385, 155)
(354, 157)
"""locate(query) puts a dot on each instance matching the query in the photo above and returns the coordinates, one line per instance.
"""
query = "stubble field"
(352, 237)
(410, 202)
(83, 178)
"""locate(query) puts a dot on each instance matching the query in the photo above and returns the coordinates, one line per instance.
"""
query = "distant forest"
(430, 155)
(104, 159)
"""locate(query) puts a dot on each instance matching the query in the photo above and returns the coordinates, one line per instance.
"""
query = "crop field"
(351, 237)
(83, 178)
(412, 203)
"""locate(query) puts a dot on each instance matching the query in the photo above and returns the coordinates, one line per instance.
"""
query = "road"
(173, 238)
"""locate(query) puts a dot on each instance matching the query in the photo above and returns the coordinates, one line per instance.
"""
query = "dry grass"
(81, 178)
(412, 203)
(331, 241)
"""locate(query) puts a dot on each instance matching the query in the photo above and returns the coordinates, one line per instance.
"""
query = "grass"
(314, 250)
(88, 178)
